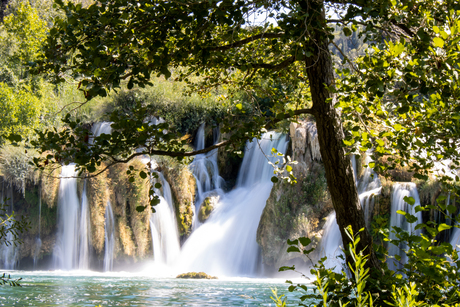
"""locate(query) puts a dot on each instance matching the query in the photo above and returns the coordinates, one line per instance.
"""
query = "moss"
(126, 197)
(205, 210)
(126, 237)
(195, 275)
(97, 193)
(183, 189)
(49, 185)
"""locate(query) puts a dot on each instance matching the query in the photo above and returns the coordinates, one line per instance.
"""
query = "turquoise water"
(126, 289)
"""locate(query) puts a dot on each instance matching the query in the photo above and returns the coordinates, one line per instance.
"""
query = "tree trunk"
(339, 172)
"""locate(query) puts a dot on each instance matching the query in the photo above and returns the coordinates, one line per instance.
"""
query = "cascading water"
(206, 172)
(163, 225)
(226, 243)
(9, 253)
(65, 251)
(109, 230)
(455, 239)
(38, 241)
(401, 190)
(84, 233)
(101, 128)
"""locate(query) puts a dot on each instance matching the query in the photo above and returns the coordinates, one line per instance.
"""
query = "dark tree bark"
(339, 172)
(3, 4)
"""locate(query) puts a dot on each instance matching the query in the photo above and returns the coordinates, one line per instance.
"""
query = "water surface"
(125, 289)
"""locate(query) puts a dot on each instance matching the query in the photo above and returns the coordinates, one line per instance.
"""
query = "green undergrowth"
(184, 112)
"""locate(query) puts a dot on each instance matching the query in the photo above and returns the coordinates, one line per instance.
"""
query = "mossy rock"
(207, 206)
(195, 275)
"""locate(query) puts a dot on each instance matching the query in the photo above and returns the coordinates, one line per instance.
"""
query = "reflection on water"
(125, 289)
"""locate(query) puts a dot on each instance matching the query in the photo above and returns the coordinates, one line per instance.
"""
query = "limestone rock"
(305, 144)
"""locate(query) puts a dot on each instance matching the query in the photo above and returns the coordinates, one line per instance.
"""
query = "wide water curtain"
(226, 243)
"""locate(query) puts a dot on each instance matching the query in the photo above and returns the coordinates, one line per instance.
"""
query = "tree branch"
(246, 41)
(175, 154)
(278, 66)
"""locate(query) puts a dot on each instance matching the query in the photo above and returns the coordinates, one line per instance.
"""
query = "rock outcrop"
(297, 210)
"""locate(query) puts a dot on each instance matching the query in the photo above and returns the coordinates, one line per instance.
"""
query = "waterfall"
(109, 230)
(401, 190)
(455, 239)
(331, 243)
(84, 232)
(8, 253)
(38, 241)
(65, 250)
(226, 243)
(101, 128)
(206, 171)
(163, 225)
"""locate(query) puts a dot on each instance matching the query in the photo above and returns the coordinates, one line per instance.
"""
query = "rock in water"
(195, 275)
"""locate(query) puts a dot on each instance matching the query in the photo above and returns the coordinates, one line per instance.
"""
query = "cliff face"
(297, 210)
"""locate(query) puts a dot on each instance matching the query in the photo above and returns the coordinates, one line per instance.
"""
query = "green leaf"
(347, 31)
(451, 208)
(157, 185)
(304, 241)
(274, 179)
(286, 268)
(410, 200)
(239, 106)
(438, 42)
(443, 226)
(15, 137)
(293, 249)
(288, 168)
(292, 242)
(143, 175)
(140, 208)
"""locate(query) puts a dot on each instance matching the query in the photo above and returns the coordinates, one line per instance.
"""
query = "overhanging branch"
(246, 41)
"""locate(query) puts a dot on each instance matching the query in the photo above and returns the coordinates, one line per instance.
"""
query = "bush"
(430, 277)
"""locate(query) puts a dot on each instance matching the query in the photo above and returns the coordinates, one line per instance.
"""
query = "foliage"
(15, 166)
(6, 279)
(22, 110)
(169, 100)
(10, 227)
(23, 34)
(279, 300)
(430, 277)
(405, 92)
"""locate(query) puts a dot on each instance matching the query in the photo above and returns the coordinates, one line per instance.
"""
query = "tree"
(121, 42)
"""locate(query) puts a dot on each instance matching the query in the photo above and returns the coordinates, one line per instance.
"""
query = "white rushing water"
(401, 190)
(109, 240)
(455, 239)
(71, 250)
(225, 244)
(84, 231)
(163, 226)
(38, 240)
(206, 171)
(65, 252)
